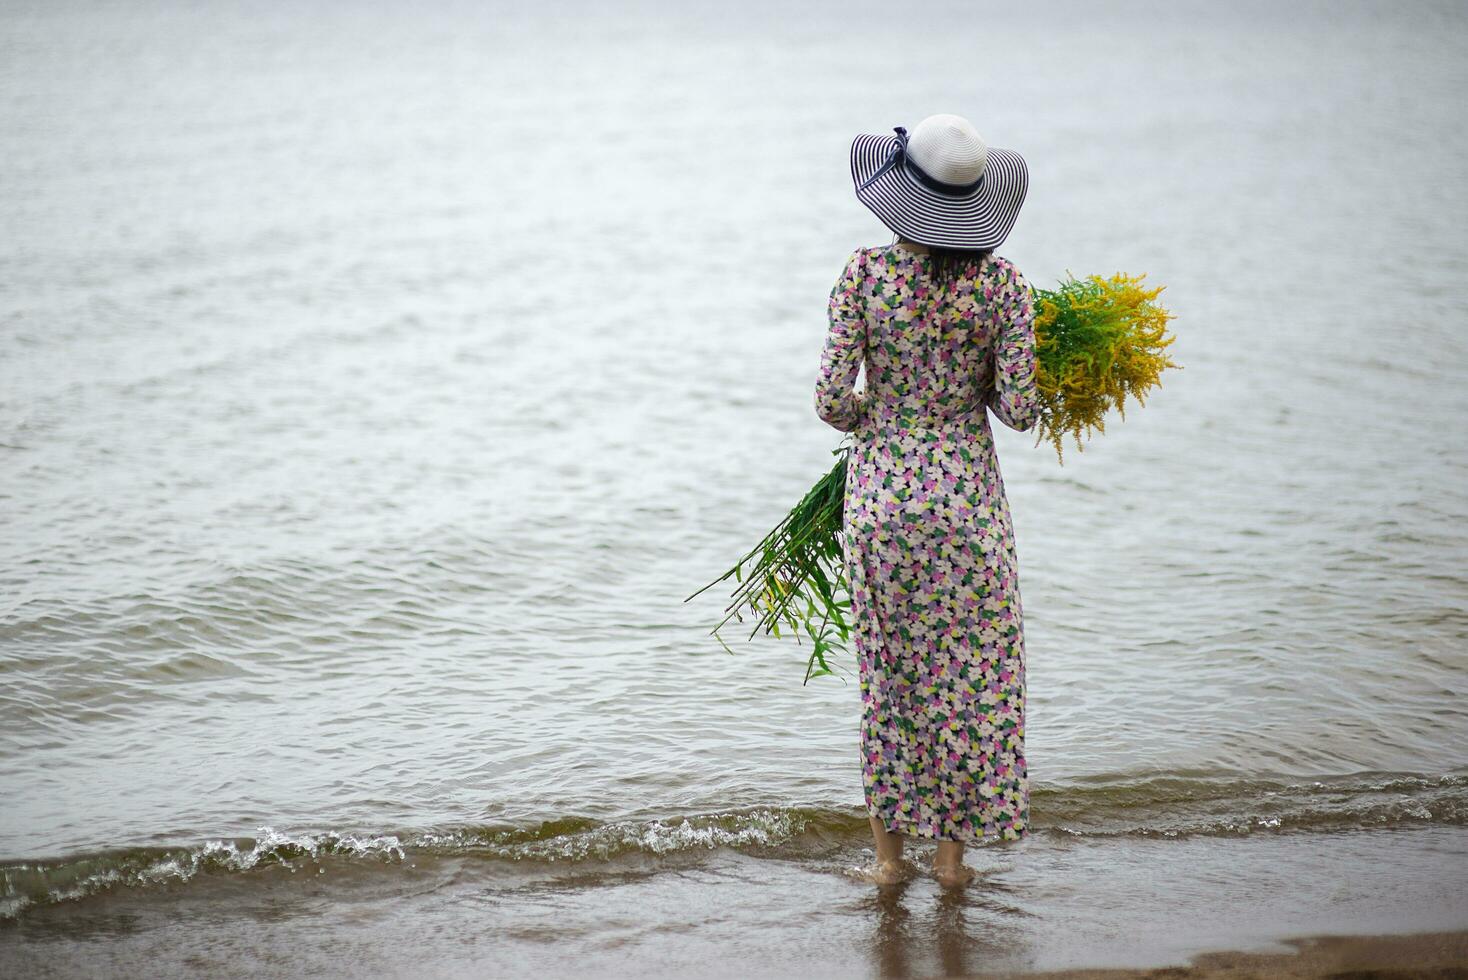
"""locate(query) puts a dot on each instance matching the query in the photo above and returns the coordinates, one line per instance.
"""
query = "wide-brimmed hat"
(943, 185)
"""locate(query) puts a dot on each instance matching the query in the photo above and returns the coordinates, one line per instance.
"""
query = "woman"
(945, 329)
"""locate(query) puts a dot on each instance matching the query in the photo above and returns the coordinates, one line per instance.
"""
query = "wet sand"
(1425, 954)
(1386, 903)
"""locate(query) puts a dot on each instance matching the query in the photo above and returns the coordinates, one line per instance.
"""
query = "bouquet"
(1097, 340)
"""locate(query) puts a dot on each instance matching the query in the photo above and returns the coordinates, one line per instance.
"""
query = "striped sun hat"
(943, 186)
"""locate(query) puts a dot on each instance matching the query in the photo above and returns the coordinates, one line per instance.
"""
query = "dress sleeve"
(837, 402)
(1015, 395)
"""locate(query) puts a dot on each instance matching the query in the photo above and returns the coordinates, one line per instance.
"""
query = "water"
(375, 384)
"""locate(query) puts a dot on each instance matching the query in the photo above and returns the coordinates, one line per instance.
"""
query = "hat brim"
(979, 220)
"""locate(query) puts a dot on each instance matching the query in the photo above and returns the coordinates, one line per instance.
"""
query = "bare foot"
(888, 872)
(950, 876)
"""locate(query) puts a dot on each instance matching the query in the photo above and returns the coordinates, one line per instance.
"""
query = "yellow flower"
(1097, 340)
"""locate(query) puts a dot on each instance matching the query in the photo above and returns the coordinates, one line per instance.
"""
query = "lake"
(376, 382)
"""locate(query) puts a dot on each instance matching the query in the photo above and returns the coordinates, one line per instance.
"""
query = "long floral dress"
(928, 542)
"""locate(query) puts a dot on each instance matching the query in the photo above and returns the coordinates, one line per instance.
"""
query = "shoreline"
(1440, 955)
(1384, 902)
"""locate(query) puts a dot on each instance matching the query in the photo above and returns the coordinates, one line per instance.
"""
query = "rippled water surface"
(376, 383)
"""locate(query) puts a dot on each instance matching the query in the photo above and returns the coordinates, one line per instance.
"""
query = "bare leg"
(948, 866)
(889, 853)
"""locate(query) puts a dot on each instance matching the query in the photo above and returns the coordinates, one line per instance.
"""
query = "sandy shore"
(1440, 955)
(1382, 904)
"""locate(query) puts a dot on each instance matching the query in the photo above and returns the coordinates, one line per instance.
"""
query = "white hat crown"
(940, 185)
(948, 148)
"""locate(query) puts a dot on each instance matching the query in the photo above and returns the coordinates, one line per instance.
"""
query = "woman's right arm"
(838, 403)
(1015, 395)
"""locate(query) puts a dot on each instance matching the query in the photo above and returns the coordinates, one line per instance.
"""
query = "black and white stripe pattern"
(980, 220)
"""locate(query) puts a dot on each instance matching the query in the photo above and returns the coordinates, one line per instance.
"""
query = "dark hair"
(948, 264)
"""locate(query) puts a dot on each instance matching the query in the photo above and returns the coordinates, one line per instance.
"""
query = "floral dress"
(928, 542)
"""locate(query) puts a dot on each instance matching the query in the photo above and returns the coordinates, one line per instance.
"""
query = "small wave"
(24, 884)
(1177, 805)
(582, 840)
(27, 884)
(1162, 806)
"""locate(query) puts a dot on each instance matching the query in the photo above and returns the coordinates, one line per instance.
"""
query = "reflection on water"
(374, 387)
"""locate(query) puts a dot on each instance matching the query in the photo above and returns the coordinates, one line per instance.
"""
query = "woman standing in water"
(945, 329)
